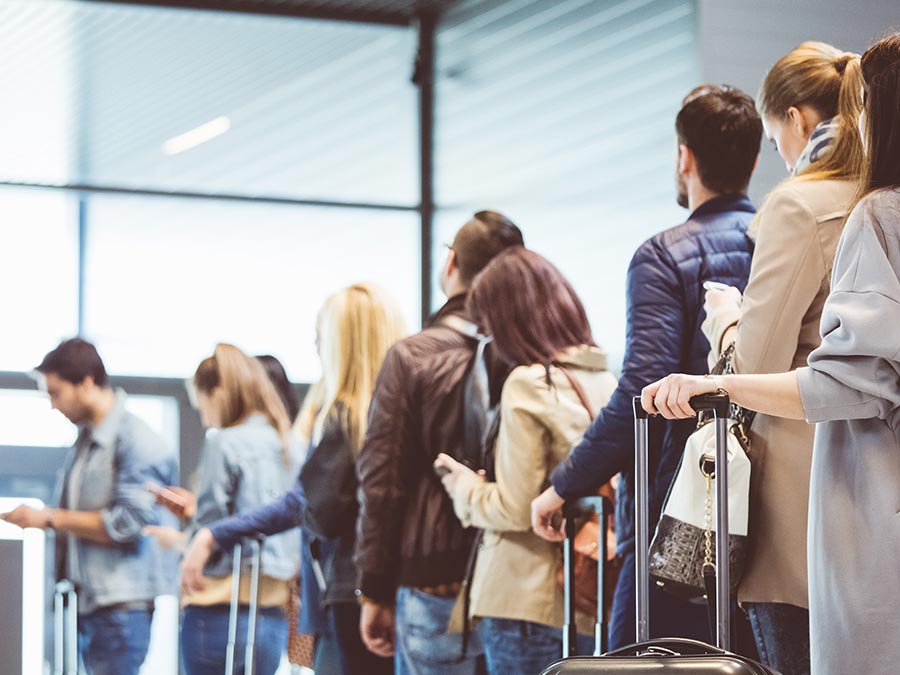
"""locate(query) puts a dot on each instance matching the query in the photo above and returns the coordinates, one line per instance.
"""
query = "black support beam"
(424, 78)
(296, 10)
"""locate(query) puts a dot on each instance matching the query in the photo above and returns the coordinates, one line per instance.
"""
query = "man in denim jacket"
(104, 506)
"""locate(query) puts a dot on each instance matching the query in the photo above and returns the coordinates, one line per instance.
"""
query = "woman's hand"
(168, 538)
(670, 396)
(454, 471)
(194, 560)
(717, 299)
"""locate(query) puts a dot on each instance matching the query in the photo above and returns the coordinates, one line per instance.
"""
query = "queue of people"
(418, 488)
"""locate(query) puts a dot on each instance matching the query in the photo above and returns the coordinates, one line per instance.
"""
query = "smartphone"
(715, 286)
(166, 497)
(441, 471)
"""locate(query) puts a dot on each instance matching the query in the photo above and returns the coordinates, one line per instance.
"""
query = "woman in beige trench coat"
(810, 103)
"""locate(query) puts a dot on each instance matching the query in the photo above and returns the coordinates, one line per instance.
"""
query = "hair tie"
(840, 63)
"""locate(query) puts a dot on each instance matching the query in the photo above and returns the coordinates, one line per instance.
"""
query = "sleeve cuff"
(819, 392)
(716, 325)
(379, 587)
(462, 497)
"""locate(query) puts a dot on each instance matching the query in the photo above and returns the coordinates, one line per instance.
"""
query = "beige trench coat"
(777, 326)
(515, 572)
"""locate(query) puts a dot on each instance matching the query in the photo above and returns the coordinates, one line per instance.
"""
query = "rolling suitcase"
(65, 629)
(668, 655)
(253, 610)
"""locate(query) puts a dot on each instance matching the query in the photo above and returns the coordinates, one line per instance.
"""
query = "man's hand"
(25, 516)
(180, 502)
(194, 560)
(376, 627)
(546, 515)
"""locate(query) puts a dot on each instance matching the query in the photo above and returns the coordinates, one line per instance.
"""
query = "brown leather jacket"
(407, 533)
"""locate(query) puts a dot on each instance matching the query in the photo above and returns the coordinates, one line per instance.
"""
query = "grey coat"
(852, 388)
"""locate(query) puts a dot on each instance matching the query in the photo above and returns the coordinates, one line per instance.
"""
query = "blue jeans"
(204, 639)
(114, 642)
(781, 632)
(512, 646)
(423, 645)
(669, 616)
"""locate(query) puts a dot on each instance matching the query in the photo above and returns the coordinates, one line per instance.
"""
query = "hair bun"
(840, 62)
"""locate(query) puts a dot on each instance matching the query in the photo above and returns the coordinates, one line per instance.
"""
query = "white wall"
(741, 39)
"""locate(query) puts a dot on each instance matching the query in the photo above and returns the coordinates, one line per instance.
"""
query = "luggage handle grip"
(717, 402)
(680, 646)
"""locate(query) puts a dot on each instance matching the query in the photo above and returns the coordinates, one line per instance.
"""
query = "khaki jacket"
(515, 572)
(777, 326)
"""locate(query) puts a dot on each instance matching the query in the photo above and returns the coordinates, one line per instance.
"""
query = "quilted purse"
(682, 552)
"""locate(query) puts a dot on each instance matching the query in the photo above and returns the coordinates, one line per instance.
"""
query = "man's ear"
(452, 266)
(686, 159)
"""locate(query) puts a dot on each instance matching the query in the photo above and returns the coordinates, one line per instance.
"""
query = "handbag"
(682, 552)
(584, 546)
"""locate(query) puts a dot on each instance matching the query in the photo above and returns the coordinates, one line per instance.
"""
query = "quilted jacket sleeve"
(654, 347)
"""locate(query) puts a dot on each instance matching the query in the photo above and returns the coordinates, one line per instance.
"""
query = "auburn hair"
(529, 308)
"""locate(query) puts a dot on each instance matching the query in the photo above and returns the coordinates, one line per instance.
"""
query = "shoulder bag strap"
(579, 391)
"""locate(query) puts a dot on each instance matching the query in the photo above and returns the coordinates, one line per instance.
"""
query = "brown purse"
(585, 545)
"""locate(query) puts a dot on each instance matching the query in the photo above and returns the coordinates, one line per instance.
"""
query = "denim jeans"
(423, 645)
(782, 636)
(340, 649)
(669, 616)
(114, 642)
(512, 646)
(204, 640)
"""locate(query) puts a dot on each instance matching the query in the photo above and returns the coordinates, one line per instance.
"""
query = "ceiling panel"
(317, 109)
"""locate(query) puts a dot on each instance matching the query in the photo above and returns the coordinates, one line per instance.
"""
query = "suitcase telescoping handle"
(580, 508)
(718, 404)
(255, 545)
(65, 629)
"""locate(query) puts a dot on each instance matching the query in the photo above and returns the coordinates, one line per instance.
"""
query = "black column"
(424, 78)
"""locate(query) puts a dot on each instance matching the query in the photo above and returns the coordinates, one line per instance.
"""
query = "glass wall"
(562, 116)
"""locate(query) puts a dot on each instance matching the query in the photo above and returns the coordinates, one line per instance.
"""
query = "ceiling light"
(194, 137)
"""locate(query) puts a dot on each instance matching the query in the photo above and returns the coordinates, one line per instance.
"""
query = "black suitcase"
(253, 611)
(672, 655)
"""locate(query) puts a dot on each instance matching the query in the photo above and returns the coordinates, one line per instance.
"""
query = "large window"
(38, 274)
(167, 279)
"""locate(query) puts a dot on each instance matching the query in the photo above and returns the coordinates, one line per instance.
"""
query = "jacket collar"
(455, 305)
(584, 357)
(104, 434)
(724, 203)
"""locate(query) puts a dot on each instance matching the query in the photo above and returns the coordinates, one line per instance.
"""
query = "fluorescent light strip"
(194, 137)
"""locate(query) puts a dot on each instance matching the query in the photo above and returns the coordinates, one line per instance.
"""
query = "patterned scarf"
(822, 136)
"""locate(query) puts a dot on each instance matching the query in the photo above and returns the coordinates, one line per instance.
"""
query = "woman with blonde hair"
(810, 103)
(355, 328)
(245, 463)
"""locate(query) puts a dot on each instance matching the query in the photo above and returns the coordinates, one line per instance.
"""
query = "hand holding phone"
(180, 502)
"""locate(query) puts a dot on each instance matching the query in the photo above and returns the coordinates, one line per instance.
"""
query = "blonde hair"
(356, 327)
(829, 81)
(246, 389)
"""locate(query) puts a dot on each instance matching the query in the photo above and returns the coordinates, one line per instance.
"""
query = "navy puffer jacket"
(664, 314)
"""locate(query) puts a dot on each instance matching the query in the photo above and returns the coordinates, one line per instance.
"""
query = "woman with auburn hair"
(851, 389)
(245, 464)
(355, 328)
(810, 102)
(558, 381)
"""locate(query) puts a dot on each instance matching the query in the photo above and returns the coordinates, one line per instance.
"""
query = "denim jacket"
(117, 458)
(241, 469)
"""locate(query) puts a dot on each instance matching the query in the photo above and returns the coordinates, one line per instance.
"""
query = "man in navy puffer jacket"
(719, 135)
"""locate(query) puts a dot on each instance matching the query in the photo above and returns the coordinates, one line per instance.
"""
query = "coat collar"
(584, 357)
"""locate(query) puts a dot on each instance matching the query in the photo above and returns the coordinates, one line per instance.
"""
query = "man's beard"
(681, 190)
